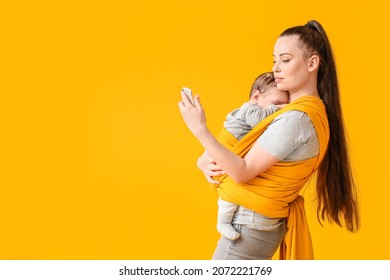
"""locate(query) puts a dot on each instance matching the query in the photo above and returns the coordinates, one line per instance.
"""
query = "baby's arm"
(256, 114)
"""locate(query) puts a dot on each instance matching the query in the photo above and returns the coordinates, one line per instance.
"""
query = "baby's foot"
(228, 231)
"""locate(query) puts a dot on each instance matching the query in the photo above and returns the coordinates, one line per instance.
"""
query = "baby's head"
(264, 91)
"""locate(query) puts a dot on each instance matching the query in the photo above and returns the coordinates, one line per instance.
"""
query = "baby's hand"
(280, 106)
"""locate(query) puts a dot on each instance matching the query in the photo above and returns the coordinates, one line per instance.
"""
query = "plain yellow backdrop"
(96, 162)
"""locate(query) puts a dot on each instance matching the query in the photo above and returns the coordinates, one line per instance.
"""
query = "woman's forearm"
(230, 163)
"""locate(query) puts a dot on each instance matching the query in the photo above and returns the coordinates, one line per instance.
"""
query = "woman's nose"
(275, 68)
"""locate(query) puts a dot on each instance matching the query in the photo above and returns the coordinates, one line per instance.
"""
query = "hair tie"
(311, 25)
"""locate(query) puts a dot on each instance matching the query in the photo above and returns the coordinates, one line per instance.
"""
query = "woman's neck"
(295, 95)
(308, 89)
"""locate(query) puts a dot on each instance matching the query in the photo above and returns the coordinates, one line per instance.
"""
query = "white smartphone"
(188, 93)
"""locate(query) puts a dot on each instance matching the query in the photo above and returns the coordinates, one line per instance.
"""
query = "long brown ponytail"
(336, 190)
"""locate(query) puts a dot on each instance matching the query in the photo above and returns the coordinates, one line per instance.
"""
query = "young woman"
(266, 170)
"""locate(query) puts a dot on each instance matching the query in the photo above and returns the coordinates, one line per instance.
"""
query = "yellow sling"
(275, 192)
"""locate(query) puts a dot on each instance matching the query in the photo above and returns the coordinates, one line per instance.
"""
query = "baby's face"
(273, 96)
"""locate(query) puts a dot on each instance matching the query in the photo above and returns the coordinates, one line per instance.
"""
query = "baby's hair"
(262, 83)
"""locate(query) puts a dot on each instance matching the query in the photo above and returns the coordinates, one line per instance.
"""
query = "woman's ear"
(314, 63)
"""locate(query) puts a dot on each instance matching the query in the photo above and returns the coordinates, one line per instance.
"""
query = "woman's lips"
(278, 79)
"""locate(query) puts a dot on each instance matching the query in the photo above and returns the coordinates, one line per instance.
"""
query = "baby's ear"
(255, 95)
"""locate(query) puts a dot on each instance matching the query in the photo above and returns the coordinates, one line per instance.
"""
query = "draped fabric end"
(292, 248)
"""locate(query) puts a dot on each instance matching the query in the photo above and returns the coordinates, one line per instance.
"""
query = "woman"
(266, 170)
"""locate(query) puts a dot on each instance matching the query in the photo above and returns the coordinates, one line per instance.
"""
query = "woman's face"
(290, 67)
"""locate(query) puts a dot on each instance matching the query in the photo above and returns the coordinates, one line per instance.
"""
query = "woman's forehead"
(286, 45)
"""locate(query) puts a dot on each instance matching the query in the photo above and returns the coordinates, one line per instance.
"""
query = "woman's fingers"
(185, 105)
(211, 171)
(184, 100)
(209, 168)
(214, 173)
(193, 116)
(197, 103)
(211, 180)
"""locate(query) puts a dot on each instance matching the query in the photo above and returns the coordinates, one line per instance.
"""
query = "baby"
(265, 99)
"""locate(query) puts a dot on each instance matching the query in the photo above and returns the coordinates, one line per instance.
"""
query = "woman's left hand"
(193, 115)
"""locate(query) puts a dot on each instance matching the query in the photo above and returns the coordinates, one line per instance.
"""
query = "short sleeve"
(291, 137)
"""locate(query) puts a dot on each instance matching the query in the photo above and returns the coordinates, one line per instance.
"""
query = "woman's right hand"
(209, 168)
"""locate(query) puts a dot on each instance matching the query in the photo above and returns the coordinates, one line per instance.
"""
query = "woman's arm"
(239, 169)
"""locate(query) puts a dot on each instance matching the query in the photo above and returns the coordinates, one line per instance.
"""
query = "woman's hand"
(193, 115)
(209, 168)
(195, 119)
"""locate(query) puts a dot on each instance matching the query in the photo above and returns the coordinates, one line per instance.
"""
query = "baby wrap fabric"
(275, 192)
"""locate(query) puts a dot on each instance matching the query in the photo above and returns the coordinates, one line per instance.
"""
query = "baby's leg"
(225, 216)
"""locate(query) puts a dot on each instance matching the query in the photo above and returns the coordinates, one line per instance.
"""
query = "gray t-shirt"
(291, 137)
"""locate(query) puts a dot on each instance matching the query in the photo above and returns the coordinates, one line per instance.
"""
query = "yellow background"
(96, 162)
